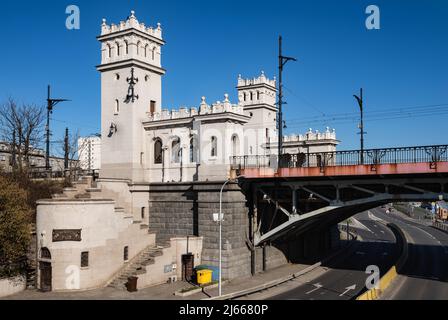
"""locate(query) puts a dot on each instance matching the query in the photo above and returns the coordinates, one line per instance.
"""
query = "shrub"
(15, 217)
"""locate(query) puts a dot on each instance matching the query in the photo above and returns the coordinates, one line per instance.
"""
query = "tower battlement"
(131, 23)
(262, 79)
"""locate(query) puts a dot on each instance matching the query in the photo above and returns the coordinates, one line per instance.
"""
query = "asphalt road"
(346, 275)
(425, 274)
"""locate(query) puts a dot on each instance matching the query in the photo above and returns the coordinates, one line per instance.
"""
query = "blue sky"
(402, 65)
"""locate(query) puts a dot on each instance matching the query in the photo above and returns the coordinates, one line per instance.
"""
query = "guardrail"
(440, 225)
(430, 154)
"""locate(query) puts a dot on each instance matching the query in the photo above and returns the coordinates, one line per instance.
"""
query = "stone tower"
(258, 97)
(131, 88)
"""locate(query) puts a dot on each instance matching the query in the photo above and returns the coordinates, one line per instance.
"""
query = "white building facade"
(89, 153)
(160, 171)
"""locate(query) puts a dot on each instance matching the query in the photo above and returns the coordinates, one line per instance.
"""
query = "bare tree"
(73, 151)
(22, 127)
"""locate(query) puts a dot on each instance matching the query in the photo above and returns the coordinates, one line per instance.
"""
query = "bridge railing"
(420, 154)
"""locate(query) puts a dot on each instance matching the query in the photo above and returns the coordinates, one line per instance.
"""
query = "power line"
(374, 114)
(76, 124)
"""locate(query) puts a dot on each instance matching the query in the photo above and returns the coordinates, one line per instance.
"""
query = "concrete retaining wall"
(10, 286)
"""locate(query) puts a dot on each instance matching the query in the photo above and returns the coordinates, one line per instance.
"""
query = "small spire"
(104, 21)
(159, 26)
(203, 100)
(132, 14)
(226, 97)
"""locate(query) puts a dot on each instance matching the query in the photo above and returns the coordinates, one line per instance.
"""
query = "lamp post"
(361, 126)
(220, 219)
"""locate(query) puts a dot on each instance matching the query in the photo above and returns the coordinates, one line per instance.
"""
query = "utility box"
(204, 276)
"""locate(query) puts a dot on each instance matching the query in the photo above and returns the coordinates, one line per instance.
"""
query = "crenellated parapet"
(262, 79)
(312, 136)
(204, 109)
(131, 23)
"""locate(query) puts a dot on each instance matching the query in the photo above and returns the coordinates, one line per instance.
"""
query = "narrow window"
(118, 49)
(126, 253)
(127, 47)
(84, 259)
(117, 106)
(146, 50)
(258, 95)
(143, 212)
(175, 151)
(251, 96)
(214, 149)
(153, 53)
(192, 158)
(235, 145)
(158, 152)
(138, 47)
(245, 96)
(152, 107)
(109, 50)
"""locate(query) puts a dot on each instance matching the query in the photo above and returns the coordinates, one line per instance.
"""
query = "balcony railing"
(421, 154)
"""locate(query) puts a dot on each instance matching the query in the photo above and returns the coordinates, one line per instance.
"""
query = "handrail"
(418, 154)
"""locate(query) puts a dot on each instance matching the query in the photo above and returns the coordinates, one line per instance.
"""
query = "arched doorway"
(45, 270)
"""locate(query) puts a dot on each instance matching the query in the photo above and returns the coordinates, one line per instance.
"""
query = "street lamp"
(219, 218)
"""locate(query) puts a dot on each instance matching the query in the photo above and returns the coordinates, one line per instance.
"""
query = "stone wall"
(187, 209)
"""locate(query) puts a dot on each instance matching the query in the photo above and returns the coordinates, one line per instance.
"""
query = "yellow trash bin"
(204, 276)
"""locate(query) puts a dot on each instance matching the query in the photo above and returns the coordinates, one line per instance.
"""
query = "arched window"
(126, 44)
(109, 51)
(117, 106)
(146, 50)
(175, 151)
(118, 49)
(235, 145)
(158, 158)
(45, 253)
(138, 47)
(258, 95)
(214, 147)
(251, 96)
(245, 96)
(153, 53)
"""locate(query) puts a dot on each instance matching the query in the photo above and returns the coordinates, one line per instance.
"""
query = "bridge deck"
(389, 161)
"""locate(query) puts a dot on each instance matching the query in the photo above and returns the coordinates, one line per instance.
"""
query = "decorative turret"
(131, 40)
(257, 92)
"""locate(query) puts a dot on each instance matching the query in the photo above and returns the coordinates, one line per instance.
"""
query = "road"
(344, 277)
(425, 274)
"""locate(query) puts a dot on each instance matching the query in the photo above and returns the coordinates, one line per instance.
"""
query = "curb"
(277, 282)
(386, 280)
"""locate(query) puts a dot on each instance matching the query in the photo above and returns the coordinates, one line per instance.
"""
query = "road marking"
(317, 287)
(353, 287)
(382, 231)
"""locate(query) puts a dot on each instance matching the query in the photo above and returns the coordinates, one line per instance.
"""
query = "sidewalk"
(163, 291)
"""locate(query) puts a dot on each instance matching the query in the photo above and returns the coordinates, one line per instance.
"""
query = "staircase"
(136, 266)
